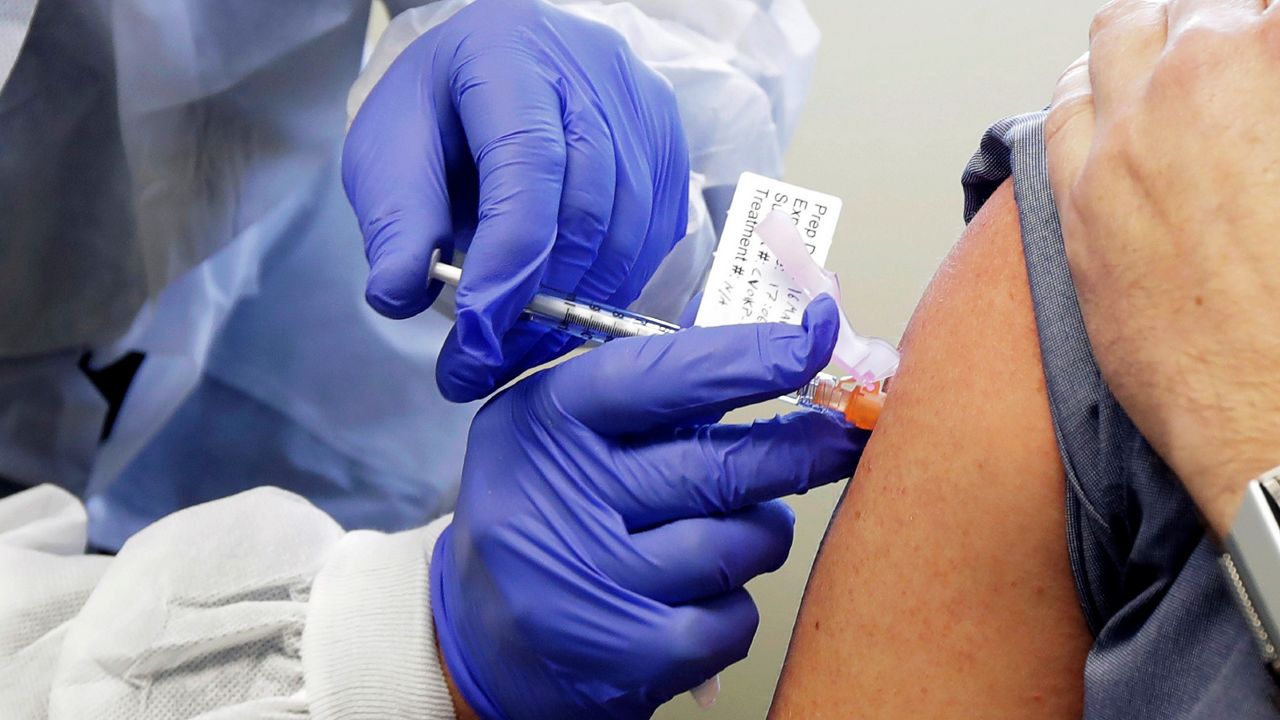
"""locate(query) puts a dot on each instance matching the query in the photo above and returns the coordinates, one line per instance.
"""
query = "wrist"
(369, 631)
(469, 699)
(1220, 505)
(461, 709)
(1219, 492)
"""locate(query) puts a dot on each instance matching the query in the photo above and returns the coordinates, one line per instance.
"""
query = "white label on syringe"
(746, 283)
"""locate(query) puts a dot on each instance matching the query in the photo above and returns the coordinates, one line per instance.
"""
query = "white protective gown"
(169, 184)
(284, 616)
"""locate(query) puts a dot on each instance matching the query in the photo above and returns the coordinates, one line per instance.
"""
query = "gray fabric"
(15, 20)
(1168, 640)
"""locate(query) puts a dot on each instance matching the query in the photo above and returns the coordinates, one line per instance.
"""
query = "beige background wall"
(902, 93)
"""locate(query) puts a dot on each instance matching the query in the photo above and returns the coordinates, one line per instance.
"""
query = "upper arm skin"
(943, 588)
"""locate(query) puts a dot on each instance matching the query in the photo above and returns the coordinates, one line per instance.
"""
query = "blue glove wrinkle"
(586, 205)
(670, 165)
(495, 133)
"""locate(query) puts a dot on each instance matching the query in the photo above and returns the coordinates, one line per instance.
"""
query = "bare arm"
(943, 588)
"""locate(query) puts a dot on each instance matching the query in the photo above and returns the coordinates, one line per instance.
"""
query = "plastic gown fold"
(173, 189)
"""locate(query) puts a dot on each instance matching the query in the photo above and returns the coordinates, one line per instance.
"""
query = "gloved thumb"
(399, 253)
(393, 170)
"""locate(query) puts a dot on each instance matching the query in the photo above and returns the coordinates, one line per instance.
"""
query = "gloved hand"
(539, 144)
(604, 531)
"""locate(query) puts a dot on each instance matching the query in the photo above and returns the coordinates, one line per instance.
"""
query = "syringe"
(592, 322)
(858, 403)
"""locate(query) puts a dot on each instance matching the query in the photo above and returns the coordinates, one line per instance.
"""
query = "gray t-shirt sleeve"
(1169, 641)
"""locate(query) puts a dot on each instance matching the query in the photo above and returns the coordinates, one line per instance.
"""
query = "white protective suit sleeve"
(256, 606)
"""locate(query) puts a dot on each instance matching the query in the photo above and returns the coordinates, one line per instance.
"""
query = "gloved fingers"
(588, 201)
(687, 320)
(667, 222)
(668, 218)
(704, 639)
(512, 117)
(720, 469)
(631, 193)
(644, 119)
(585, 216)
(639, 385)
(394, 172)
(613, 234)
(699, 558)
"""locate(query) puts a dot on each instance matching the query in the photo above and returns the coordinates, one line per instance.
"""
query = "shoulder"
(944, 588)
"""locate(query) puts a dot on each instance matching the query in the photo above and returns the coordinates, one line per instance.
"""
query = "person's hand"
(539, 144)
(1164, 155)
(605, 529)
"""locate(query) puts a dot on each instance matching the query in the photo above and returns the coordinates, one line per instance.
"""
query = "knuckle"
(782, 538)
(608, 36)
(1206, 49)
(739, 644)
(1107, 17)
(1072, 80)
(380, 230)
(656, 84)
(518, 8)
(779, 521)
(1119, 15)
(700, 539)
(540, 139)
(1195, 42)
(685, 639)
(786, 369)
(733, 482)
(1081, 62)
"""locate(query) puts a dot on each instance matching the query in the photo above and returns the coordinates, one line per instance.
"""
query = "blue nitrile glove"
(603, 535)
(539, 144)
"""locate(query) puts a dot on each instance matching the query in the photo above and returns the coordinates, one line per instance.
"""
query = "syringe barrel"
(590, 321)
(593, 322)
